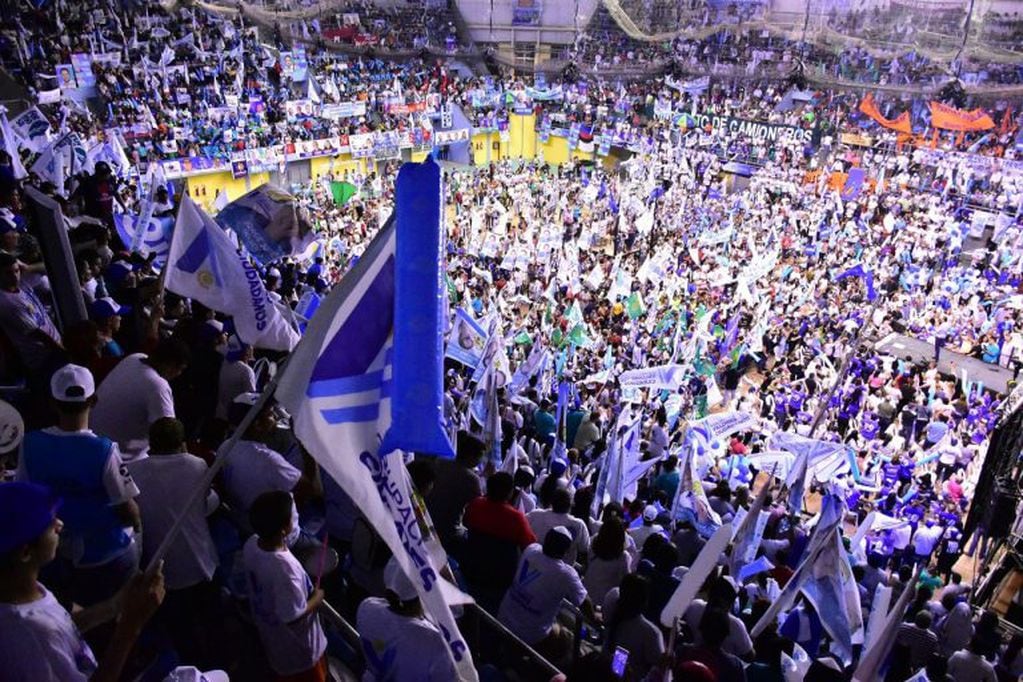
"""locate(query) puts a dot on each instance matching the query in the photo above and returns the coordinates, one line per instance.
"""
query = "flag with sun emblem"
(204, 265)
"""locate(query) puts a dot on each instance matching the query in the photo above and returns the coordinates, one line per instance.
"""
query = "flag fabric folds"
(900, 123)
(342, 192)
(204, 265)
(339, 388)
(950, 118)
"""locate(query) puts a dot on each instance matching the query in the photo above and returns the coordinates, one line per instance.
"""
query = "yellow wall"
(321, 165)
(522, 144)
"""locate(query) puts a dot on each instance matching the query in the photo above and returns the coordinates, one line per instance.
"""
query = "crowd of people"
(618, 315)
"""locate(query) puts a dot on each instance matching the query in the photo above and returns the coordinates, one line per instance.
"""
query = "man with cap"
(137, 392)
(25, 321)
(649, 527)
(107, 313)
(530, 607)
(39, 639)
(100, 514)
(398, 641)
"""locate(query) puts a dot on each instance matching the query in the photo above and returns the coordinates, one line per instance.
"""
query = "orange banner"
(900, 123)
(950, 118)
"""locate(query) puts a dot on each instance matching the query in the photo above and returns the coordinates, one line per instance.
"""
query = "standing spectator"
(39, 639)
(26, 323)
(543, 579)
(969, 665)
(399, 642)
(252, 467)
(608, 562)
(137, 392)
(542, 520)
(457, 485)
(281, 595)
(493, 515)
(629, 629)
(236, 375)
(166, 479)
(85, 469)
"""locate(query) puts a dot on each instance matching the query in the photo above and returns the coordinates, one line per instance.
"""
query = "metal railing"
(508, 637)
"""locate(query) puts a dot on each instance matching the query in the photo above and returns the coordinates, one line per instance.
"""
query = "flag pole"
(199, 492)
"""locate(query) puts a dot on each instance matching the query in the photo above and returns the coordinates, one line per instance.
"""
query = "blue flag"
(355, 394)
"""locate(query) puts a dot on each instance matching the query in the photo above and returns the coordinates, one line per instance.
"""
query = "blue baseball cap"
(29, 510)
(102, 308)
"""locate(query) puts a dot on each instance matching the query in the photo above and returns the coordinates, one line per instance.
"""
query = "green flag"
(342, 192)
(634, 306)
(523, 338)
(578, 336)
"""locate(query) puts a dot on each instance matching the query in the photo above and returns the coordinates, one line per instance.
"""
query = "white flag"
(204, 265)
(337, 388)
(11, 146)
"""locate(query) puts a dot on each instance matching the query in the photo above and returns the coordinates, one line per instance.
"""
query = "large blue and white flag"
(155, 178)
(829, 583)
(824, 459)
(365, 384)
(204, 265)
(32, 129)
(152, 238)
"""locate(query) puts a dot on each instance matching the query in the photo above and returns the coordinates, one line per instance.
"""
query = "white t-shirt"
(279, 589)
(966, 666)
(925, 539)
(235, 378)
(542, 520)
(166, 482)
(132, 397)
(253, 469)
(40, 643)
(602, 575)
(401, 648)
(531, 604)
(737, 643)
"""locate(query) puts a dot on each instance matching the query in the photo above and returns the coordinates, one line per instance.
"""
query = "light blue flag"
(343, 386)
(830, 585)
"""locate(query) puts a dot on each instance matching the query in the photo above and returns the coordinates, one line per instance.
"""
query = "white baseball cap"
(188, 673)
(72, 384)
(649, 513)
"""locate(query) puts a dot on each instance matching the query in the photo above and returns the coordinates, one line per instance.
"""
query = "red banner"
(900, 123)
(950, 118)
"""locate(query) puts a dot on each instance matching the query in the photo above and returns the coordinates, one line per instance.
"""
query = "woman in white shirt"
(609, 562)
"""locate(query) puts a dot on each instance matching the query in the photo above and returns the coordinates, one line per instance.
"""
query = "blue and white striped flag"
(365, 384)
